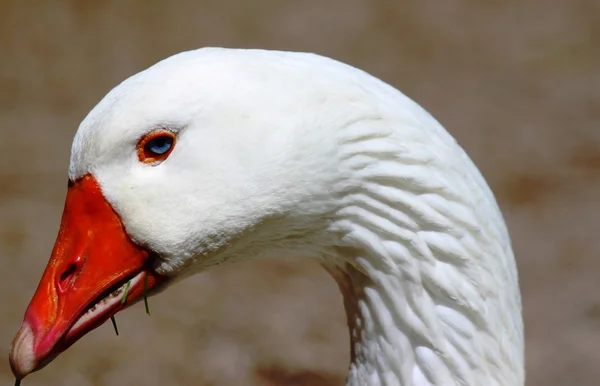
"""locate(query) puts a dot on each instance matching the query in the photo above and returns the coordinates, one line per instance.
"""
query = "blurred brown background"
(517, 82)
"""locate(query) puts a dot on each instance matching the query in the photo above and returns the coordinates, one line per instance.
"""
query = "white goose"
(215, 156)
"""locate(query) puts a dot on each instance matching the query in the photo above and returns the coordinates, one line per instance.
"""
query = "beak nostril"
(66, 278)
(68, 272)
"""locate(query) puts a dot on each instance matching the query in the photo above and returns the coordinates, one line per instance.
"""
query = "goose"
(215, 156)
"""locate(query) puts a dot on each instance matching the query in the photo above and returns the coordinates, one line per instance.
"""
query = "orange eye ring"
(156, 146)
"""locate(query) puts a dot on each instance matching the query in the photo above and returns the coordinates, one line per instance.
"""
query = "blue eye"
(159, 145)
(156, 146)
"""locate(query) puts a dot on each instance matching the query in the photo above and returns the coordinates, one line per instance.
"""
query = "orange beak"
(85, 280)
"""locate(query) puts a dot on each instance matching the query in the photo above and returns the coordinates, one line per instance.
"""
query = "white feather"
(294, 154)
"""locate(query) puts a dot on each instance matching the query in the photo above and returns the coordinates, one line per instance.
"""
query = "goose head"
(215, 156)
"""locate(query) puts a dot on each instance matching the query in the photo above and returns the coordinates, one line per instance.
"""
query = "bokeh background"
(516, 82)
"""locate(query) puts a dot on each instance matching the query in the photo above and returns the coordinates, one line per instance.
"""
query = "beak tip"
(22, 354)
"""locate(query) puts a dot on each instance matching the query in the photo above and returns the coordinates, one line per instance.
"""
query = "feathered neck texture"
(429, 279)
